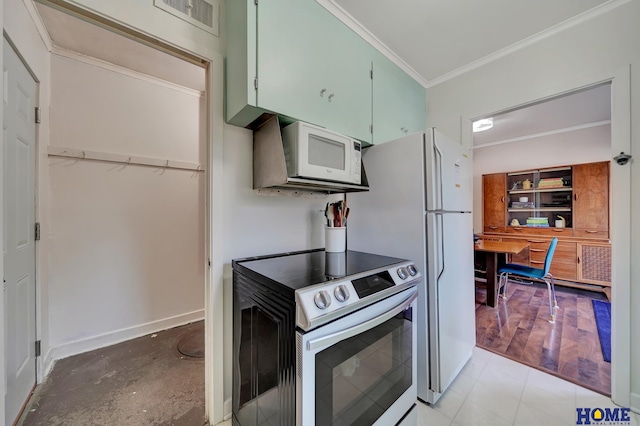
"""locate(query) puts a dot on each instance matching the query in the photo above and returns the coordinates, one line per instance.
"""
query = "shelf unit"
(580, 194)
(537, 198)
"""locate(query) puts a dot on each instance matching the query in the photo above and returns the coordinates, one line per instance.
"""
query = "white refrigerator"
(419, 208)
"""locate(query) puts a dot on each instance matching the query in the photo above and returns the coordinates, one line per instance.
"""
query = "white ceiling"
(577, 110)
(437, 37)
(70, 33)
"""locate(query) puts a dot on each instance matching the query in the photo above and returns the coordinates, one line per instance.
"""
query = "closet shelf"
(79, 154)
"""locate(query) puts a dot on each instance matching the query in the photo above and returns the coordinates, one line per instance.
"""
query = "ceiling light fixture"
(482, 124)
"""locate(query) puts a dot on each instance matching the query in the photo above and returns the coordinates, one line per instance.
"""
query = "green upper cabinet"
(295, 59)
(399, 102)
(312, 67)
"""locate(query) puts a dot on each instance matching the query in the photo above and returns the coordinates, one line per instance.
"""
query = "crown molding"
(39, 23)
(363, 32)
(549, 133)
(549, 32)
(90, 60)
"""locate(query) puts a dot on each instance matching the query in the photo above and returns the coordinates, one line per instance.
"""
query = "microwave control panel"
(357, 161)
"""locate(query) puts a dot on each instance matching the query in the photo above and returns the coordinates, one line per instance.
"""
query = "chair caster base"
(555, 305)
(552, 319)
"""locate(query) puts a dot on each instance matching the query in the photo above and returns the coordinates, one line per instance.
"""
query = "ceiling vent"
(201, 13)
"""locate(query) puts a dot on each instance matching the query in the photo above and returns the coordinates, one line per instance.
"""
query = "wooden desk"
(491, 249)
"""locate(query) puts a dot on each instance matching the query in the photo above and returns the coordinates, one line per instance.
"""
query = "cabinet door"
(494, 190)
(399, 102)
(591, 200)
(348, 96)
(312, 67)
(594, 263)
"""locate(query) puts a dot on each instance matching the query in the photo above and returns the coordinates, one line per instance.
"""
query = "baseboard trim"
(107, 339)
(226, 411)
(635, 402)
(47, 365)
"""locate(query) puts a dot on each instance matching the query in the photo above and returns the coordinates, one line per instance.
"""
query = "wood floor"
(518, 329)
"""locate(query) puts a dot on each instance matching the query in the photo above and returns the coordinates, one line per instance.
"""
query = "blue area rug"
(602, 311)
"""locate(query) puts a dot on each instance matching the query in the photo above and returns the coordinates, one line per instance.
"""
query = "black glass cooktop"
(301, 269)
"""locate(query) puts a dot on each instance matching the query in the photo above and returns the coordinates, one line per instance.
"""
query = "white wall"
(126, 241)
(601, 48)
(144, 17)
(259, 224)
(575, 147)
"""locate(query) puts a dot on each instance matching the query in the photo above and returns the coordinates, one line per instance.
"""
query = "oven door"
(361, 368)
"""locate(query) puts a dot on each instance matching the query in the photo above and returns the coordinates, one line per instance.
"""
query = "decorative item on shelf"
(561, 222)
(550, 183)
(516, 185)
(523, 205)
(515, 222)
(526, 184)
(538, 222)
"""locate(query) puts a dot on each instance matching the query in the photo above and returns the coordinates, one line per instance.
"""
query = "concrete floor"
(145, 381)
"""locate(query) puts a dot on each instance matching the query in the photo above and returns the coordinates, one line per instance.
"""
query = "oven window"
(358, 379)
(326, 153)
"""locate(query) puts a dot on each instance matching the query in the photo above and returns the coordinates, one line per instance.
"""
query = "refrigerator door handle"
(441, 224)
(438, 175)
(435, 380)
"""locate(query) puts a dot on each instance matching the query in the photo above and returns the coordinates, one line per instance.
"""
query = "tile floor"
(492, 390)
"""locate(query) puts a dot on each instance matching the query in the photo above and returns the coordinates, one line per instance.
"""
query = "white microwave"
(316, 153)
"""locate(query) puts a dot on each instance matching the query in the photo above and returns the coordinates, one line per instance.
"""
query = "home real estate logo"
(603, 416)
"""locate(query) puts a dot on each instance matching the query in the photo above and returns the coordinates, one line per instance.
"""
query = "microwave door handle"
(331, 339)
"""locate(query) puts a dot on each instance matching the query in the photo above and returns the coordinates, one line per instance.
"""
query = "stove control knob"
(322, 299)
(412, 270)
(402, 273)
(342, 293)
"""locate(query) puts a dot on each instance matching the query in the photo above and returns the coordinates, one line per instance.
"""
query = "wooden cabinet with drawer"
(574, 200)
(494, 187)
(591, 200)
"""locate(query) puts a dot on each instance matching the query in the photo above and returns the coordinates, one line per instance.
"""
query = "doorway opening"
(540, 172)
(128, 177)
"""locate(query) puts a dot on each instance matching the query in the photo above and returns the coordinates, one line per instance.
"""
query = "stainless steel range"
(325, 339)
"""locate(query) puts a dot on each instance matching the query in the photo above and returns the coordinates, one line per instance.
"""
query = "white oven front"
(361, 368)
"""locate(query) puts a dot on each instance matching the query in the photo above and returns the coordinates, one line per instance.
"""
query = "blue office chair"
(533, 273)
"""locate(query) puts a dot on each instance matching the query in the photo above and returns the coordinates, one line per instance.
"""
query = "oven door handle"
(334, 338)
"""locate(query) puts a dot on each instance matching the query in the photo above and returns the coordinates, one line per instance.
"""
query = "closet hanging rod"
(79, 154)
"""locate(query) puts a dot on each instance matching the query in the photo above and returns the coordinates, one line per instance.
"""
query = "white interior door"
(19, 232)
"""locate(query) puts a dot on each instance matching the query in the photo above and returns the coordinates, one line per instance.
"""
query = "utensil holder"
(335, 239)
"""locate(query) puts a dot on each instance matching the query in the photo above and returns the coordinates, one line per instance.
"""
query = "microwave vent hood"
(270, 167)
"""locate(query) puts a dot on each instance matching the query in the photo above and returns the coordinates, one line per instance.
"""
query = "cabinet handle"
(556, 230)
(575, 197)
(588, 231)
(578, 259)
(518, 229)
(537, 250)
(493, 227)
(322, 92)
(502, 199)
(331, 97)
(535, 261)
